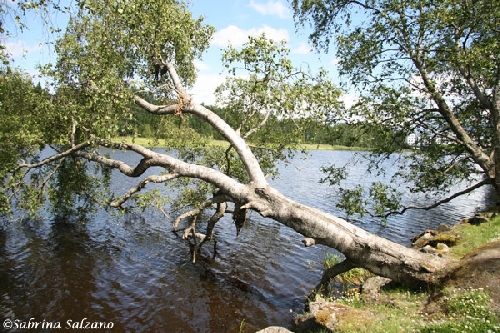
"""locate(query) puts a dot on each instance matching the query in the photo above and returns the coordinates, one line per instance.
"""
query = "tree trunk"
(363, 249)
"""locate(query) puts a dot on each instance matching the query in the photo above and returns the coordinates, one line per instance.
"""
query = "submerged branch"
(219, 213)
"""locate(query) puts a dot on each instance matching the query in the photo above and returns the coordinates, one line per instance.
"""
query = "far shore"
(159, 143)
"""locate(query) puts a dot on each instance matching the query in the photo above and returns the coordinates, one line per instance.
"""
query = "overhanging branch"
(186, 105)
(438, 203)
(151, 179)
(53, 158)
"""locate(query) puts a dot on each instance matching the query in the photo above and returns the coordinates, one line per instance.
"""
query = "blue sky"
(234, 20)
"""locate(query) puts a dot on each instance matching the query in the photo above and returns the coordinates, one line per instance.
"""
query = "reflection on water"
(133, 271)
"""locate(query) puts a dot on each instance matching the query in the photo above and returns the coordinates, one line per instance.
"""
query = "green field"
(150, 142)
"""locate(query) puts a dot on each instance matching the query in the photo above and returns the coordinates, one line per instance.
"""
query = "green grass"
(472, 236)
(152, 143)
(401, 310)
(464, 311)
(399, 313)
(467, 311)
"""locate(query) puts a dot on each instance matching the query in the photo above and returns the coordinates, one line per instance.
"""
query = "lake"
(134, 272)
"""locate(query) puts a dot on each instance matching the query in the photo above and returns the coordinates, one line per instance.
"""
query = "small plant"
(352, 279)
(355, 276)
(242, 326)
(331, 259)
(468, 311)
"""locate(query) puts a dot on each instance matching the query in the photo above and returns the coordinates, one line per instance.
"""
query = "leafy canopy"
(109, 50)
(113, 53)
(425, 67)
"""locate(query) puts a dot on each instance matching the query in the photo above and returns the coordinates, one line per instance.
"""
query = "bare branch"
(124, 168)
(53, 158)
(256, 128)
(151, 179)
(436, 204)
(195, 212)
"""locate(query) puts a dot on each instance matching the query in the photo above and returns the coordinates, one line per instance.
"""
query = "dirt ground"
(478, 269)
(481, 269)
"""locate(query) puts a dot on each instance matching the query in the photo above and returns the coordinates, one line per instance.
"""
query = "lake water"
(134, 272)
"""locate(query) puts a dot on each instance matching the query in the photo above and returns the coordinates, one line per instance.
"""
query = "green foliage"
(270, 102)
(26, 118)
(105, 55)
(274, 90)
(76, 187)
(97, 72)
(383, 198)
(26, 114)
(428, 68)
(352, 201)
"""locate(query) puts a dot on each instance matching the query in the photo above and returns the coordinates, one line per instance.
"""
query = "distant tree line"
(359, 134)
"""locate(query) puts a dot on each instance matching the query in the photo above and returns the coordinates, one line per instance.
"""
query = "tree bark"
(361, 248)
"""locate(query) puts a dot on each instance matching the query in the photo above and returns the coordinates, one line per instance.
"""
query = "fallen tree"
(88, 130)
(361, 248)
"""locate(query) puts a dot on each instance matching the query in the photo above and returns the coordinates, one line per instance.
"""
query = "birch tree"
(427, 68)
(142, 52)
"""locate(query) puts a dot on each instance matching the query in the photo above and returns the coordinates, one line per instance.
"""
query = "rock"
(443, 228)
(428, 249)
(371, 287)
(479, 218)
(448, 237)
(306, 323)
(274, 329)
(328, 315)
(422, 239)
(442, 248)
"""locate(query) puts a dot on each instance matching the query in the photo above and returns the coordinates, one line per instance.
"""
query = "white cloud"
(349, 100)
(237, 36)
(203, 90)
(272, 8)
(200, 65)
(20, 48)
(335, 61)
(303, 48)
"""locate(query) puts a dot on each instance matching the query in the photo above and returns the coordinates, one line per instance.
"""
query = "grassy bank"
(467, 303)
(152, 143)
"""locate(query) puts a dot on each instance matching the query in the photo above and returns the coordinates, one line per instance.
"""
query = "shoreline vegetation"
(159, 143)
(468, 301)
